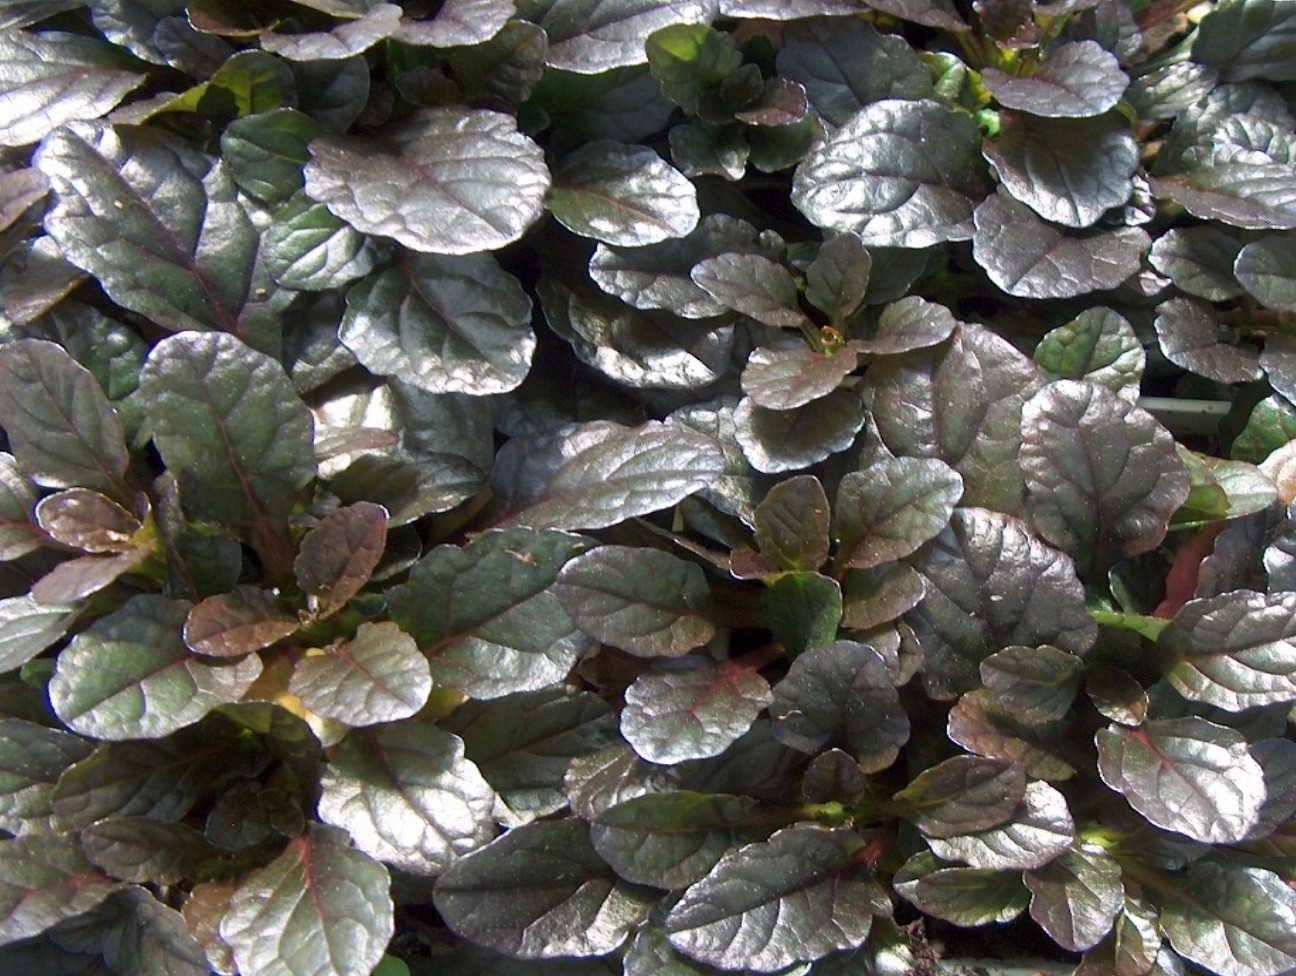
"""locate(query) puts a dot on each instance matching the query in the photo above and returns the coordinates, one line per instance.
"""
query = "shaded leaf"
(28, 627)
(1076, 80)
(991, 584)
(795, 897)
(873, 597)
(129, 675)
(1029, 258)
(1185, 774)
(32, 757)
(802, 609)
(55, 77)
(1199, 260)
(60, 425)
(445, 180)
(897, 173)
(1248, 39)
(44, 879)
(1039, 830)
(788, 440)
(892, 507)
(689, 60)
(238, 622)
(1102, 474)
(1076, 897)
(1098, 345)
(964, 896)
(784, 378)
(670, 840)
(337, 557)
(962, 795)
(841, 694)
(1267, 270)
(407, 796)
(623, 195)
(1236, 920)
(320, 906)
(792, 523)
(144, 850)
(541, 891)
(644, 601)
(377, 676)
(1069, 172)
(593, 475)
(753, 285)
(485, 613)
(691, 708)
(591, 37)
(1234, 650)
(1190, 336)
(838, 277)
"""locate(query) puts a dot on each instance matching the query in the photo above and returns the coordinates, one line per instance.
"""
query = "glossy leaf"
(485, 613)
(752, 285)
(1098, 345)
(837, 279)
(1102, 474)
(310, 249)
(792, 898)
(1185, 774)
(18, 536)
(964, 896)
(774, 441)
(60, 425)
(1241, 194)
(32, 757)
(691, 708)
(44, 879)
(28, 627)
(784, 378)
(890, 508)
(593, 37)
(1234, 650)
(792, 523)
(644, 601)
(87, 520)
(962, 795)
(320, 906)
(144, 850)
(349, 38)
(338, 556)
(1199, 260)
(1267, 270)
(908, 324)
(590, 476)
(1251, 39)
(130, 675)
(444, 181)
(407, 796)
(541, 891)
(841, 694)
(377, 676)
(897, 173)
(1029, 258)
(623, 195)
(1035, 684)
(1189, 336)
(991, 584)
(1040, 829)
(55, 77)
(238, 622)
(599, 781)
(1076, 80)
(1077, 896)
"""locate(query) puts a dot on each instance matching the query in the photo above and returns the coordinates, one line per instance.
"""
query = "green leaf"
(690, 59)
(1035, 684)
(1271, 424)
(61, 428)
(1040, 829)
(238, 622)
(156, 223)
(144, 850)
(1102, 474)
(644, 601)
(962, 795)
(795, 897)
(845, 64)
(1234, 650)
(964, 896)
(787, 377)
(445, 324)
(130, 676)
(1267, 270)
(1069, 171)
(265, 152)
(670, 840)
(752, 285)
(1029, 258)
(523, 744)
(407, 796)
(1076, 897)
(590, 476)
(445, 180)
(486, 615)
(774, 441)
(691, 708)
(320, 906)
(1076, 80)
(376, 676)
(841, 694)
(792, 523)
(1098, 345)
(961, 403)
(307, 248)
(897, 173)
(32, 757)
(230, 426)
(1247, 39)
(1185, 774)
(892, 507)
(27, 628)
(45, 879)
(802, 609)
(55, 77)
(18, 536)
(623, 195)
(599, 781)
(248, 82)
(591, 37)
(1232, 919)
(337, 557)
(541, 891)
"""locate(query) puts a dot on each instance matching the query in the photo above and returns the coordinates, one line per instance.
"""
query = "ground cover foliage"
(565, 487)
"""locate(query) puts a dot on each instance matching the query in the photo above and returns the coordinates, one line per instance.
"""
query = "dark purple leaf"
(351, 37)
(792, 524)
(238, 622)
(890, 508)
(377, 676)
(338, 556)
(1191, 337)
(962, 795)
(1076, 897)
(87, 520)
(1076, 80)
(787, 377)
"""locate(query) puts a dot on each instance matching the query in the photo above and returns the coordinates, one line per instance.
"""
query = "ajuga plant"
(558, 488)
